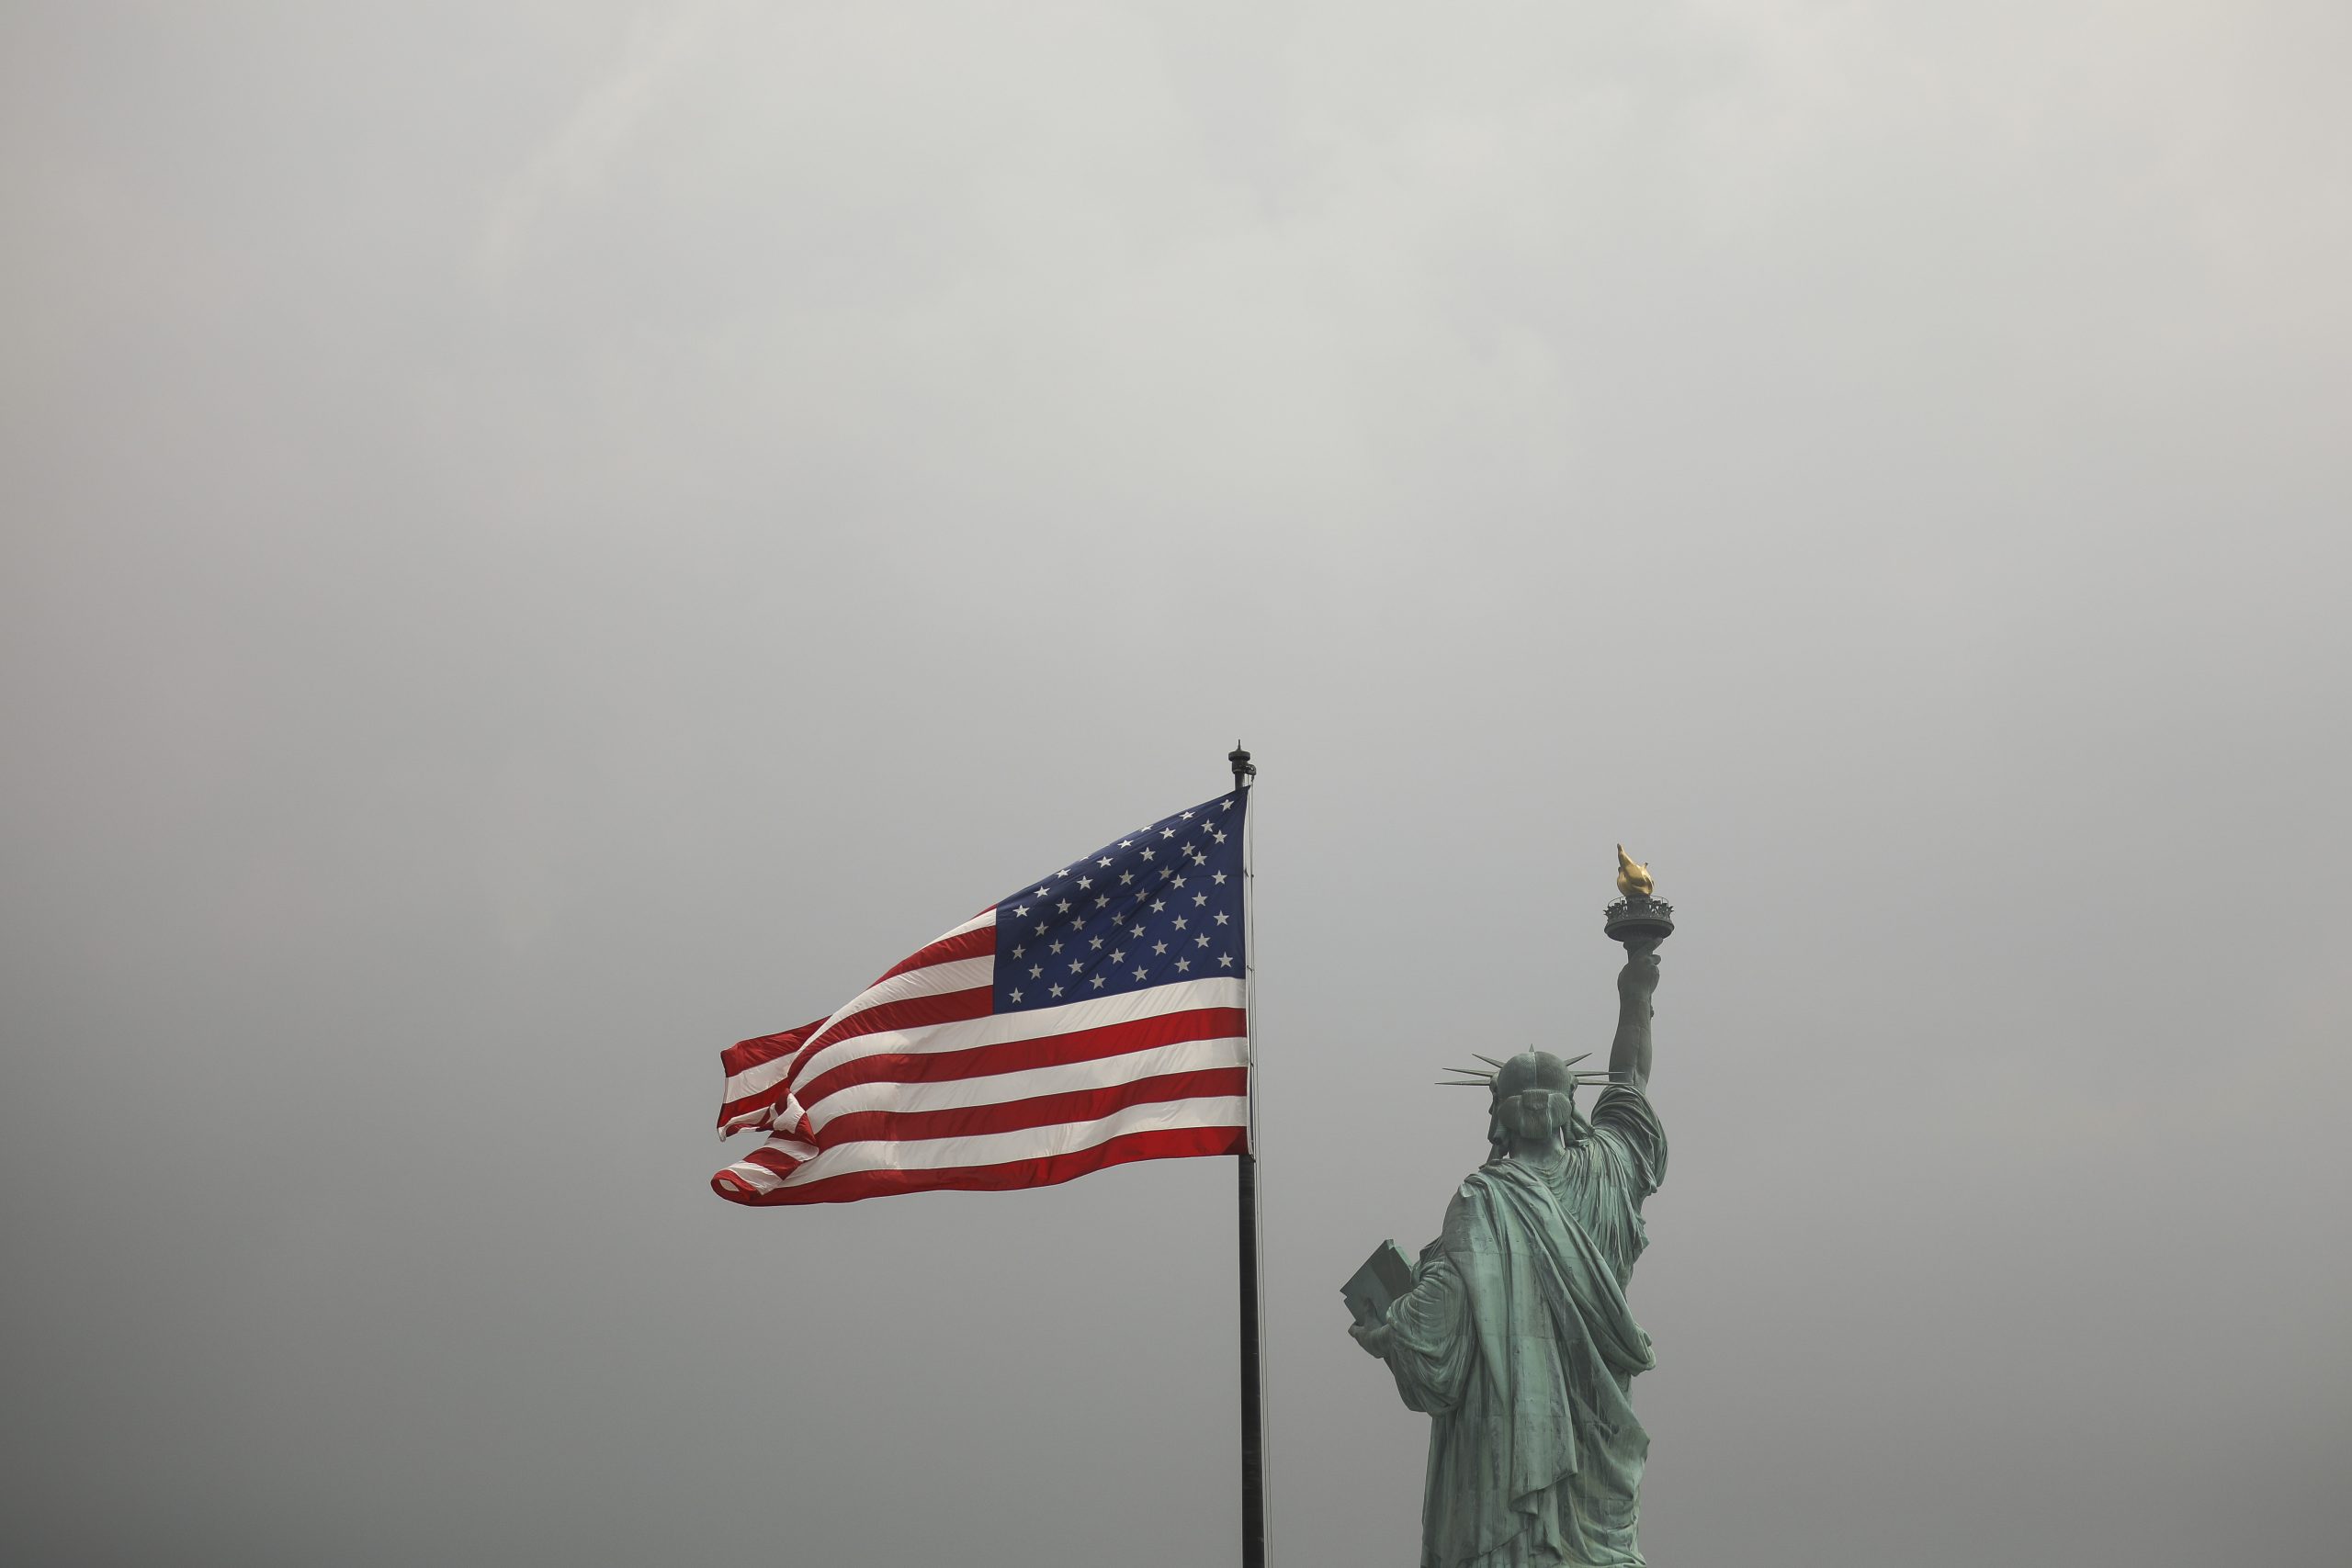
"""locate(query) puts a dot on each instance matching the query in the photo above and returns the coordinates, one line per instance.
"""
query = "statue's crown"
(1535, 1069)
(1530, 1069)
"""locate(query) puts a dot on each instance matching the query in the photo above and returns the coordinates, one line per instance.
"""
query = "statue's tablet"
(1373, 1288)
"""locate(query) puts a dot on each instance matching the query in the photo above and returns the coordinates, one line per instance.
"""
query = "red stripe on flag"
(1173, 1143)
(774, 1159)
(980, 943)
(745, 1055)
(750, 1102)
(1045, 1110)
(1018, 1055)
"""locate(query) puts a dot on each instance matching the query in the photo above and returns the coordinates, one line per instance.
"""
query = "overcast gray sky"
(542, 539)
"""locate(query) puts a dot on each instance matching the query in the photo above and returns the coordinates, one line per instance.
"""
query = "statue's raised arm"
(1629, 1052)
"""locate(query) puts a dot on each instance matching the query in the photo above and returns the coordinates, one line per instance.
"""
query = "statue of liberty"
(1514, 1336)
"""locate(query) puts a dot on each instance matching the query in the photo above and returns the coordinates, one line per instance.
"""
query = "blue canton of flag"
(1160, 905)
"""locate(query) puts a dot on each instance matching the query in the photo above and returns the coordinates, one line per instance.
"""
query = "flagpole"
(1253, 1436)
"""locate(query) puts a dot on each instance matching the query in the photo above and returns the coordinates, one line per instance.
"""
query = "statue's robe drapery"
(1517, 1339)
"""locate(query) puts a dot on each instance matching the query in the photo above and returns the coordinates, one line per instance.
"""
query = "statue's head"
(1535, 1097)
(1530, 1096)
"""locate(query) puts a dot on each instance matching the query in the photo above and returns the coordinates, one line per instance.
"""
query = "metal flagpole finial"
(1243, 769)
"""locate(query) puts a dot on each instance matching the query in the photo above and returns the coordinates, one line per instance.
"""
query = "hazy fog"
(541, 539)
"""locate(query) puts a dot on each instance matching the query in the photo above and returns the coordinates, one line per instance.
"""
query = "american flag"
(1095, 1016)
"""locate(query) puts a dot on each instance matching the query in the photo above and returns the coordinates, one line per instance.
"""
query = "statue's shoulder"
(1490, 1201)
(1469, 1215)
(1483, 1179)
(1487, 1182)
(1473, 1192)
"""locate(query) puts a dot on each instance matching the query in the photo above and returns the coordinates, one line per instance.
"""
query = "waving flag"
(1096, 1016)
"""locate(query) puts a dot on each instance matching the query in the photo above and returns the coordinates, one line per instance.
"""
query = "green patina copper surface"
(1515, 1338)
